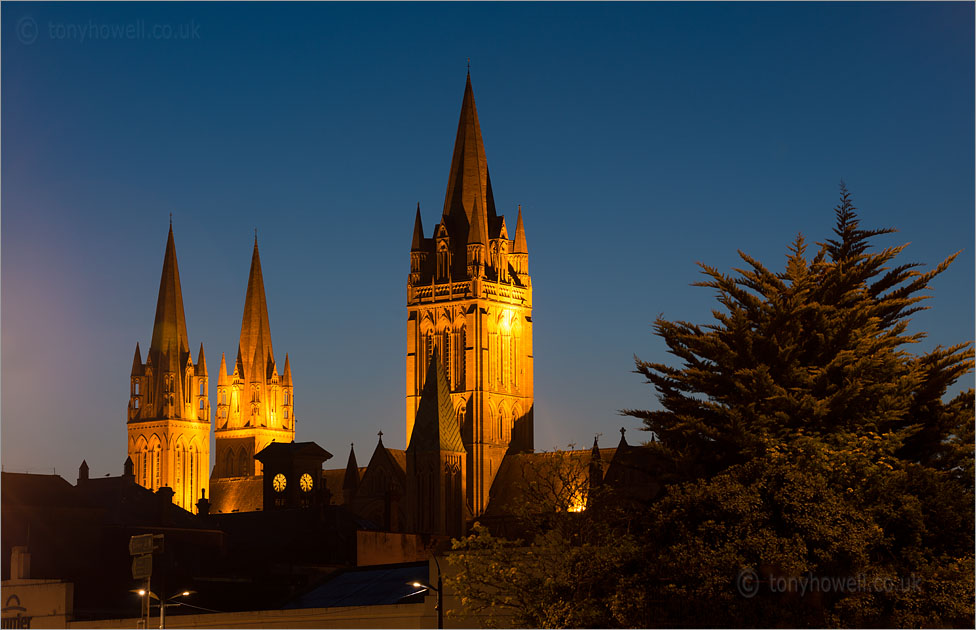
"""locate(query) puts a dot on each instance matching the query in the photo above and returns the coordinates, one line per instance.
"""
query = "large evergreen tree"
(819, 349)
(806, 440)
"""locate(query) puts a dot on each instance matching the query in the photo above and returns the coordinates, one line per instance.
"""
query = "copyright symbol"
(26, 30)
(747, 583)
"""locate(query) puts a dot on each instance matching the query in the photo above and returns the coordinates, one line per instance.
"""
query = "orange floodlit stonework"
(168, 419)
(469, 297)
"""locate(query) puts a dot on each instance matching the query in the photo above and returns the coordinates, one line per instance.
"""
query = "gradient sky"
(639, 139)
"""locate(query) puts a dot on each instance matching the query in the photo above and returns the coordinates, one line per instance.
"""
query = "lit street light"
(439, 589)
(162, 605)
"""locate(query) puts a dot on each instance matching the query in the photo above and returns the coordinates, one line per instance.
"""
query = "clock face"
(279, 483)
(306, 482)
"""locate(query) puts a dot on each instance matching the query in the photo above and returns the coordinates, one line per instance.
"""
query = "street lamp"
(439, 589)
(162, 605)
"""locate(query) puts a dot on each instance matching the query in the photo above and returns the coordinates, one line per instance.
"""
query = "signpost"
(142, 548)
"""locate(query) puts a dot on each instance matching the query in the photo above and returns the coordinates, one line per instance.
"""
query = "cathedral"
(469, 386)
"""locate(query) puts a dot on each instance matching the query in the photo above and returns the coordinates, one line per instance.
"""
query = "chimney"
(203, 506)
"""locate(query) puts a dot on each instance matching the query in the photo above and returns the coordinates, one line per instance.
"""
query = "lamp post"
(162, 604)
(439, 589)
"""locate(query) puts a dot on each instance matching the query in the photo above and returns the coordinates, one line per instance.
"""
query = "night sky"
(639, 140)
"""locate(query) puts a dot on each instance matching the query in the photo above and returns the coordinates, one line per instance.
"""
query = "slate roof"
(367, 586)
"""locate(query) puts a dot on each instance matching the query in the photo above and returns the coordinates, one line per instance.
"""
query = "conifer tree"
(820, 349)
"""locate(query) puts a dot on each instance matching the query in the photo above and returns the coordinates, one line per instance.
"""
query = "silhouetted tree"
(806, 440)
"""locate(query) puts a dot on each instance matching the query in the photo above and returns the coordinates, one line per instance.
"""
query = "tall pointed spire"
(468, 185)
(520, 246)
(169, 329)
(418, 232)
(255, 344)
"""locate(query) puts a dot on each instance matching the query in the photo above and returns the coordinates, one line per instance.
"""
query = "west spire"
(169, 329)
(255, 344)
(468, 185)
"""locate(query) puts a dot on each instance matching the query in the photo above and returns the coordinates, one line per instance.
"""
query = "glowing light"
(577, 504)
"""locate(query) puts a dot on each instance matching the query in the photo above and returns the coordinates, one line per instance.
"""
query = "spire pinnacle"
(222, 373)
(201, 362)
(137, 362)
(418, 232)
(351, 480)
(520, 245)
(286, 375)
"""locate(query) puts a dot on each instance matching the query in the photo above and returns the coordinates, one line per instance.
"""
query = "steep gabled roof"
(436, 428)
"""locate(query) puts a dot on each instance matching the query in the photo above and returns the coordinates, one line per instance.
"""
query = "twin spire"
(169, 328)
(255, 354)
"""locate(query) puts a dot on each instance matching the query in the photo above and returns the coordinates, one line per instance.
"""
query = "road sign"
(142, 567)
(139, 545)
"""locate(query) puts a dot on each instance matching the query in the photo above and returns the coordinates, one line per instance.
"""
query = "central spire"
(169, 329)
(468, 185)
(255, 344)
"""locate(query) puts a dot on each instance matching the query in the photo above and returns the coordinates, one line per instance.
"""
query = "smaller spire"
(201, 362)
(520, 245)
(418, 232)
(83, 471)
(350, 482)
(286, 375)
(623, 440)
(137, 362)
(222, 374)
(595, 452)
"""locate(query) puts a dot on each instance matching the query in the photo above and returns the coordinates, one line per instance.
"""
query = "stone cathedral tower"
(255, 406)
(469, 295)
(168, 420)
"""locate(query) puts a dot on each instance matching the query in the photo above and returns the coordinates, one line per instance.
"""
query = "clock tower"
(292, 474)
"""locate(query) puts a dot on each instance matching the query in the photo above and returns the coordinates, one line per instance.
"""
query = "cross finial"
(622, 431)
(381, 436)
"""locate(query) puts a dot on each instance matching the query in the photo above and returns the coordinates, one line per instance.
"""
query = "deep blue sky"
(639, 139)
